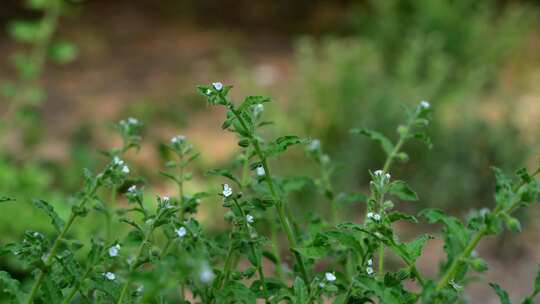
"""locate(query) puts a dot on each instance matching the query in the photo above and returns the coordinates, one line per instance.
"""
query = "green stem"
(253, 252)
(227, 268)
(181, 214)
(76, 288)
(389, 160)
(275, 246)
(451, 271)
(281, 210)
(131, 268)
(181, 190)
(50, 257)
(110, 212)
(38, 56)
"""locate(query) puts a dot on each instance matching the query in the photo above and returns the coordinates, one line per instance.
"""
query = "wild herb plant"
(168, 257)
(25, 91)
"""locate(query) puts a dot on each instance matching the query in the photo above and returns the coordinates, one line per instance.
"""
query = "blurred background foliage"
(329, 65)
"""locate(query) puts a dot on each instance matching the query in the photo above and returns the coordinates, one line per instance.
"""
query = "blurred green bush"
(447, 52)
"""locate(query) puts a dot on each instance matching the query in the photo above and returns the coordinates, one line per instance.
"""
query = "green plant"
(403, 50)
(26, 92)
(168, 257)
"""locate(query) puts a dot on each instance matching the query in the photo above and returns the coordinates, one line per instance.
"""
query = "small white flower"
(370, 262)
(125, 169)
(321, 285)
(314, 145)
(117, 161)
(133, 121)
(250, 219)
(165, 199)
(260, 171)
(369, 270)
(140, 289)
(181, 232)
(376, 217)
(217, 85)
(424, 104)
(227, 190)
(330, 277)
(178, 139)
(258, 109)
(370, 215)
(206, 275)
(378, 173)
(132, 189)
(110, 276)
(387, 176)
(113, 251)
(325, 159)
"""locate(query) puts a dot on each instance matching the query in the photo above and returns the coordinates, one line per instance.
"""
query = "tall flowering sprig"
(129, 130)
(79, 209)
(25, 90)
(417, 119)
(239, 120)
(243, 234)
(184, 154)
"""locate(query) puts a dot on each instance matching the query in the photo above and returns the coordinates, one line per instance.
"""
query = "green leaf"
(401, 189)
(63, 52)
(11, 287)
(503, 295)
(347, 199)
(224, 173)
(281, 144)
(300, 291)
(25, 31)
(57, 222)
(4, 199)
(537, 280)
(386, 144)
(251, 101)
(398, 216)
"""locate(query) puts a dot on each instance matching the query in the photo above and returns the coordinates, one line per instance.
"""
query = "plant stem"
(227, 268)
(50, 257)
(181, 189)
(281, 210)
(131, 268)
(253, 252)
(38, 57)
(389, 160)
(451, 271)
(76, 288)
(181, 214)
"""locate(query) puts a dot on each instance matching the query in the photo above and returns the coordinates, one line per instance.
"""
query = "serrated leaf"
(251, 101)
(11, 287)
(4, 199)
(224, 173)
(25, 31)
(398, 216)
(503, 295)
(281, 144)
(537, 280)
(57, 222)
(385, 143)
(346, 199)
(402, 190)
(63, 52)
